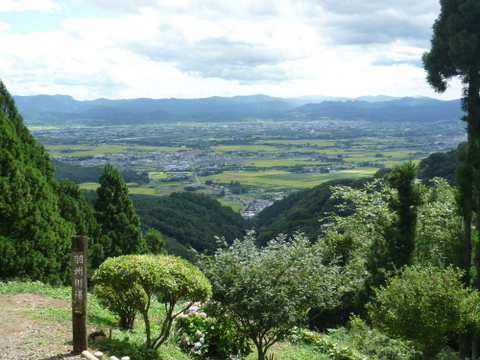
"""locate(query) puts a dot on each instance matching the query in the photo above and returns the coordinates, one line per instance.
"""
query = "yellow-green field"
(277, 180)
(222, 149)
(143, 191)
(317, 142)
(85, 150)
(279, 162)
(89, 186)
(131, 190)
(155, 175)
(233, 204)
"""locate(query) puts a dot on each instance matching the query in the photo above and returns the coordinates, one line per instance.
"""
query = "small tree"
(267, 292)
(155, 242)
(120, 225)
(422, 305)
(132, 282)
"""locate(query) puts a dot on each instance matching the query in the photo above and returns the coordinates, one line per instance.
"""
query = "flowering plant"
(201, 334)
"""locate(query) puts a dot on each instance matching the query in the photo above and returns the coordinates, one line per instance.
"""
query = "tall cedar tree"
(34, 238)
(402, 239)
(120, 225)
(455, 52)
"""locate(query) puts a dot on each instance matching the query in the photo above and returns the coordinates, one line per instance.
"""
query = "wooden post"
(79, 293)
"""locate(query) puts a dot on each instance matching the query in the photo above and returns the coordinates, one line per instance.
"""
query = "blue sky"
(199, 48)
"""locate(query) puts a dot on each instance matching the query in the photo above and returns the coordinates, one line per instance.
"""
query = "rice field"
(278, 180)
(86, 150)
(89, 186)
(230, 203)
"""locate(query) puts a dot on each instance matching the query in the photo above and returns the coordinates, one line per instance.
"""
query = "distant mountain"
(46, 109)
(377, 98)
(405, 109)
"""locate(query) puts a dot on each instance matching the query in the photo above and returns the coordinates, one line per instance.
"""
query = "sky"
(124, 49)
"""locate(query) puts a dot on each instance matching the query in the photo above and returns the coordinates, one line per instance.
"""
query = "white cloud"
(4, 26)
(197, 48)
(22, 5)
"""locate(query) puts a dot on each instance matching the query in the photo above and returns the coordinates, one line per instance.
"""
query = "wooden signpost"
(79, 293)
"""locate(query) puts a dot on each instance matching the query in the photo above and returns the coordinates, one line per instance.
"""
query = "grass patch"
(316, 142)
(143, 191)
(223, 149)
(91, 150)
(155, 175)
(279, 162)
(89, 186)
(230, 203)
(15, 287)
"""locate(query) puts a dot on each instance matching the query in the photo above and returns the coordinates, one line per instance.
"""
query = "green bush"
(119, 304)
(372, 343)
(135, 281)
(268, 291)
(423, 305)
(326, 346)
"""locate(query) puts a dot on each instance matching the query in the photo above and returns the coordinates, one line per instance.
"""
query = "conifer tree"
(120, 225)
(455, 52)
(34, 239)
(75, 209)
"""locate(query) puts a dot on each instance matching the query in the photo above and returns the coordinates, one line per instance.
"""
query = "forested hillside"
(442, 165)
(80, 174)
(190, 220)
(300, 212)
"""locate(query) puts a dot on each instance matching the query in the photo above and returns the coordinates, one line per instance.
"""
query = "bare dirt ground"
(30, 328)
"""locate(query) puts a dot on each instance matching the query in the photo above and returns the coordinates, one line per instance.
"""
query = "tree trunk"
(473, 160)
(464, 346)
(148, 332)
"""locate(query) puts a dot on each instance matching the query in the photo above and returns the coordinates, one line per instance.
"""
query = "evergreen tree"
(455, 53)
(75, 209)
(34, 239)
(120, 225)
(405, 206)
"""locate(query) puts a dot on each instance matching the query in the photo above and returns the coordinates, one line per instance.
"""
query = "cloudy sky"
(200, 48)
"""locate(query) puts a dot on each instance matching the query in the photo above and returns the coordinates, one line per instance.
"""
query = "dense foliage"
(359, 232)
(268, 291)
(34, 238)
(130, 283)
(214, 337)
(300, 211)
(81, 174)
(441, 164)
(193, 220)
(423, 305)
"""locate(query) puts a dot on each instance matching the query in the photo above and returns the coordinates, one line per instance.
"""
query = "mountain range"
(47, 109)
